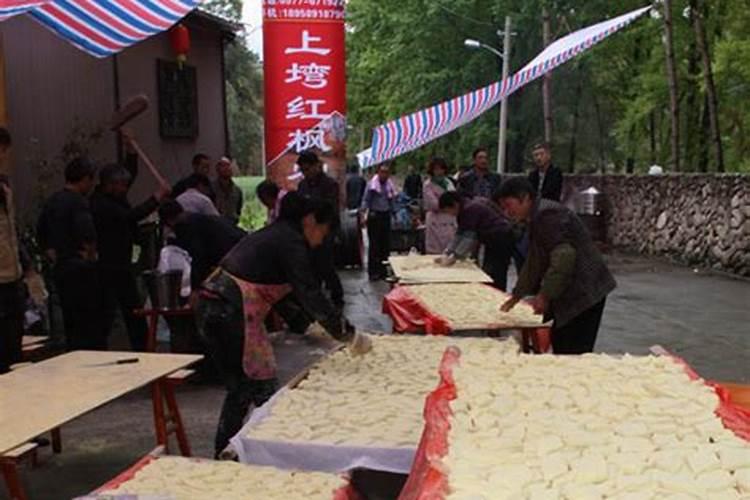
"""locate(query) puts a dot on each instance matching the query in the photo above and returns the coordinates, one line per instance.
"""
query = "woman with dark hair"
(440, 227)
(262, 269)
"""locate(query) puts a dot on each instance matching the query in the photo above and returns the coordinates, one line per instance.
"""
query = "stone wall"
(700, 220)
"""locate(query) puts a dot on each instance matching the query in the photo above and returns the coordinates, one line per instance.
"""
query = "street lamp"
(505, 57)
(476, 44)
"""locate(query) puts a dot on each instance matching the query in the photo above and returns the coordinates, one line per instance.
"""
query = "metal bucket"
(164, 289)
(589, 202)
(592, 214)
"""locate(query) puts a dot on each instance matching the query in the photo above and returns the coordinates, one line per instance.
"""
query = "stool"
(167, 419)
(9, 462)
(152, 316)
(33, 351)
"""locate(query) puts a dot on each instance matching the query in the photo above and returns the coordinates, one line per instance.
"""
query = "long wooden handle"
(147, 161)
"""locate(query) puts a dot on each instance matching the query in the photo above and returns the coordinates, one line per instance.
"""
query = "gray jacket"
(564, 263)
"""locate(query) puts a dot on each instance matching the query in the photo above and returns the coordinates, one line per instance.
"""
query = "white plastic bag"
(174, 258)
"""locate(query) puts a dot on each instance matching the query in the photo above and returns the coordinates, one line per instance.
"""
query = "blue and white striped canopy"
(102, 27)
(414, 130)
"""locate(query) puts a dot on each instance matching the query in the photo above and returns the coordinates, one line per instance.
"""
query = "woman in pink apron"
(261, 270)
(440, 227)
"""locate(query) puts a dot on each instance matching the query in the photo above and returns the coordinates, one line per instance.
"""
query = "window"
(178, 100)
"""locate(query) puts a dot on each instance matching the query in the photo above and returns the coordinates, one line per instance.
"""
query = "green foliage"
(245, 106)
(253, 214)
(228, 9)
(404, 56)
(244, 89)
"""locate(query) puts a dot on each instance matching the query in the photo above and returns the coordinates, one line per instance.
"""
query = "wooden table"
(34, 347)
(409, 311)
(422, 269)
(29, 340)
(46, 395)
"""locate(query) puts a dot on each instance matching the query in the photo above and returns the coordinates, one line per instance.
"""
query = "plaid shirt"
(556, 229)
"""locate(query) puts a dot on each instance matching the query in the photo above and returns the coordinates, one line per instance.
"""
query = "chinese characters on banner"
(305, 75)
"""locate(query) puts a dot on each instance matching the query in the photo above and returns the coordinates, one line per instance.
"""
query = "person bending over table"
(564, 268)
(207, 238)
(480, 222)
(261, 270)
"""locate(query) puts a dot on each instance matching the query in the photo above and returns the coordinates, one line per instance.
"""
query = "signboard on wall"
(305, 73)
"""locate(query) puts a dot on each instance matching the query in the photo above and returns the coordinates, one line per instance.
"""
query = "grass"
(248, 185)
(253, 214)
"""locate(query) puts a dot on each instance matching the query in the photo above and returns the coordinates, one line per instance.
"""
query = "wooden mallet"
(131, 109)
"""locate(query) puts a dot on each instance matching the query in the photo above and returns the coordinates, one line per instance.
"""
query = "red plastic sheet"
(127, 475)
(428, 479)
(735, 418)
(410, 315)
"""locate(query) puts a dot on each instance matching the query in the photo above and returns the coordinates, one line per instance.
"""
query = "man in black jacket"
(479, 181)
(201, 165)
(355, 188)
(546, 178)
(207, 238)
(116, 223)
(317, 185)
(67, 235)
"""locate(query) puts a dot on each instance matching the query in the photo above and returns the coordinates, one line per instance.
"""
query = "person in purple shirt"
(480, 222)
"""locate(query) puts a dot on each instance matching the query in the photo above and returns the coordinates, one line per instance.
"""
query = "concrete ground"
(700, 316)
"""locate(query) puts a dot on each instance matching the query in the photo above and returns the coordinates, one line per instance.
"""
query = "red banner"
(305, 72)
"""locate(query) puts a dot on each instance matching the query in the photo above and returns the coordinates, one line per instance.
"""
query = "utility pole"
(547, 80)
(503, 133)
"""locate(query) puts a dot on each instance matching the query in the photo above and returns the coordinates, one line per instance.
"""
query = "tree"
(612, 105)
(708, 75)
(228, 9)
(244, 90)
(674, 100)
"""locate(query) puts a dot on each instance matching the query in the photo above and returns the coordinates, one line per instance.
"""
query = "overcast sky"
(252, 15)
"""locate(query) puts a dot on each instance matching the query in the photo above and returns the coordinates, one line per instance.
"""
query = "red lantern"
(179, 38)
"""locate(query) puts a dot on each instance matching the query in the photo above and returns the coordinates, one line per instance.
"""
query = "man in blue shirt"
(377, 206)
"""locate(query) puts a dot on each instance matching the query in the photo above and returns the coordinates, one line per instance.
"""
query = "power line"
(462, 16)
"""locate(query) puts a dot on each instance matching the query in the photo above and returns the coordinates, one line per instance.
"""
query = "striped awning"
(102, 27)
(412, 131)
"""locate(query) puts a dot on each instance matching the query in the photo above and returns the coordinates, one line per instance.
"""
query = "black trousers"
(119, 289)
(12, 306)
(325, 269)
(579, 335)
(496, 263)
(78, 285)
(221, 324)
(379, 235)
